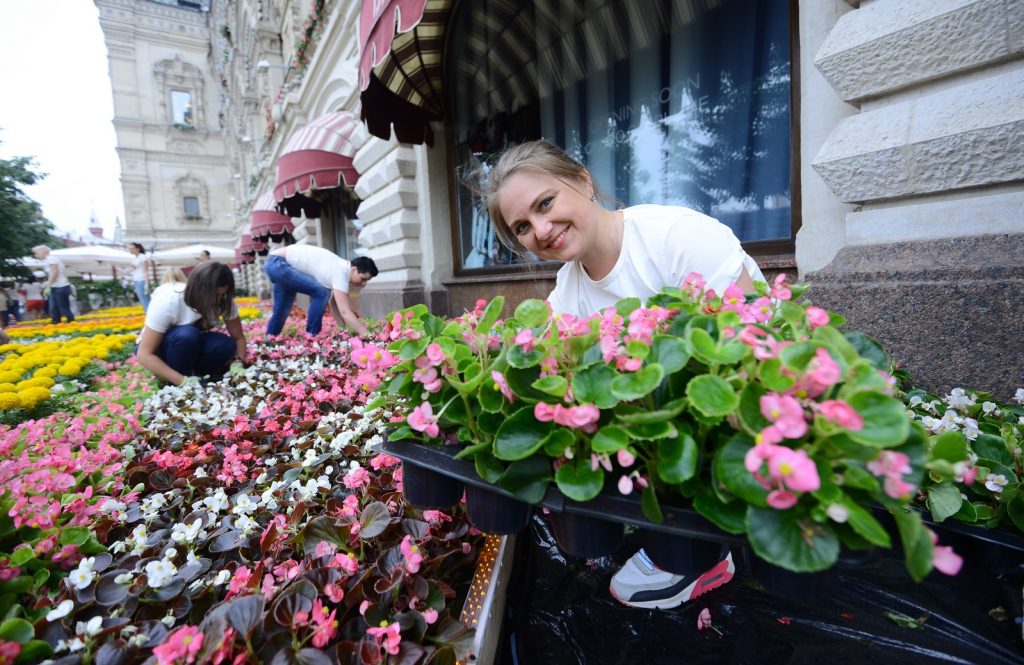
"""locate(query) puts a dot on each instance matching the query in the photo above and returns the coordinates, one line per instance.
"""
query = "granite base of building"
(379, 300)
(950, 312)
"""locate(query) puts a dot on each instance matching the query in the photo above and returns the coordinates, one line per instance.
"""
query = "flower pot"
(585, 537)
(425, 488)
(682, 555)
(799, 587)
(495, 513)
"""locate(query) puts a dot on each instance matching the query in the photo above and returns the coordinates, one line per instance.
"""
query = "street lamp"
(263, 66)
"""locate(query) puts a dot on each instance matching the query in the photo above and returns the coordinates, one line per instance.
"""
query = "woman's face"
(133, 249)
(551, 218)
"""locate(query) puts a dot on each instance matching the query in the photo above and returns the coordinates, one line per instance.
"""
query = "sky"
(56, 106)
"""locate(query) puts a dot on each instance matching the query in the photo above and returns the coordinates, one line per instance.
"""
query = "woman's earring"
(593, 197)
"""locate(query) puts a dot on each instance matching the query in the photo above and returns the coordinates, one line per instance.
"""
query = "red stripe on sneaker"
(713, 578)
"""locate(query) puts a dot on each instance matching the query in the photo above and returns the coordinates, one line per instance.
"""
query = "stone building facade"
(175, 175)
(874, 147)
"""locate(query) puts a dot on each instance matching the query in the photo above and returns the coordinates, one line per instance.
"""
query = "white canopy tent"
(189, 255)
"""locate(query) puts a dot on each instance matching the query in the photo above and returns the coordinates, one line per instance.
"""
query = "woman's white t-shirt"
(33, 291)
(327, 268)
(167, 308)
(661, 245)
(139, 268)
(62, 275)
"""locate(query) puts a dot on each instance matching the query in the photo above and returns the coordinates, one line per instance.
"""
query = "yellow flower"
(30, 397)
(9, 400)
(45, 371)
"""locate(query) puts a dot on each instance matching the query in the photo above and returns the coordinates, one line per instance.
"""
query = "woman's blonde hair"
(172, 275)
(539, 157)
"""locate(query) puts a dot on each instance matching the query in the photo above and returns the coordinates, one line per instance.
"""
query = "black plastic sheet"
(560, 611)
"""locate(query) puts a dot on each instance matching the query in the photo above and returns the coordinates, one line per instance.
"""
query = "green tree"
(21, 218)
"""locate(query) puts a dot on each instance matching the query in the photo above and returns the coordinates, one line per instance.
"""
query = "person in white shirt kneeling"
(177, 341)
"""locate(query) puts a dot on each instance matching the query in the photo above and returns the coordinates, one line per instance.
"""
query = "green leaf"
(968, 513)
(837, 344)
(944, 500)
(651, 507)
(1015, 510)
(729, 517)
(16, 630)
(552, 385)
(532, 313)
(750, 409)
(555, 443)
(491, 400)
(993, 448)
(903, 621)
(791, 312)
(917, 546)
(473, 377)
(520, 436)
(796, 356)
(35, 651)
(373, 520)
(865, 525)
(885, 421)
(22, 555)
(860, 478)
(950, 446)
(677, 458)
(868, 348)
(651, 431)
(633, 386)
(625, 306)
(491, 314)
(590, 386)
(773, 378)
(638, 416)
(790, 540)
(704, 347)
(413, 348)
(488, 466)
(578, 481)
(638, 349)
(669, 352)
(731, 472)
(712, 395)
(609, 439)
(518, 357)
(527, 479)
(73, 535)
(521, 383)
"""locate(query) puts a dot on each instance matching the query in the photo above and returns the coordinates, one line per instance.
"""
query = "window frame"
(547, 269)
(184, 207)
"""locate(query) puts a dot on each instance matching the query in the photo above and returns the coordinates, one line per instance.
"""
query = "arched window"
(683, 103)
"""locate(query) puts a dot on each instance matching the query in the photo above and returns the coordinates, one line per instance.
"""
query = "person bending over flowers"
(177, 341)
(544, 202)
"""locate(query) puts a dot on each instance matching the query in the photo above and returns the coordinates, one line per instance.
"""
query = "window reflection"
(181, 107)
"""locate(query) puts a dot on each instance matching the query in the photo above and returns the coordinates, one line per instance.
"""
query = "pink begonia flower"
(572, 326)
(268, 588)
(780, 289)
(429, 615)
(544, 412)
(944, 559)
(288, 570)
(334, 592)
(822, 373)
(600, 460)
(412, 555)
(898, 488)
(181, 646)
(501, 384)
(357, 478)
(842, 414)
(733, 298)
(436, 516)
(584, 416)
(363, 607)
(324, 548)
(760, 310)
(704, 619)
(889, 463)
(435, 354)
(770, 434)
(786, 413)
(325, 622)
(387, 636)
(422, 419)
(794, 469)
(781, 499)
(384, 461)
(816, 317)
(429, 378)
(525, 339)
(625, 485)
(240, 580)
(625, 458)
(693, 284)
(757, 456)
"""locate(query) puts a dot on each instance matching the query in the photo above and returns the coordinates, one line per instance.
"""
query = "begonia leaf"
(797, 355)
(288, 604)
(490, 398)
(109, 592)
(650, 506)
(36, 651)
(638, 349)
(677, 458)
(488, 466)
(868, 348)
(555, 443)
(712, 395)
(638, 384)
(522, 359)
(245, 614)
(609, 439)
(731, 471)
(944, 500)
(728, 517)
(532, 313)
(16, 630)
(838, 345)
(1015, 511)
(413, 348)
(640, 416)
(885, 421)
(473, 376)
(789, 540)
(578, 481)
(491, 314)
(520, 436)
(373, 520)
(950, 446)
(73, 535)
(556, 386)
(774, 377)
(993, 448)
(626, 306)
(591, 386)
(751, 418)
(917, 545)
(669, 352)
(527, 479)
(652, 431)
(21, 555)
(865, 525)
(320, 529)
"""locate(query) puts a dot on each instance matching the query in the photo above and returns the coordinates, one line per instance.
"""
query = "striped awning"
(316, 157)
(401, 44)
(249, 248)
(267, 223)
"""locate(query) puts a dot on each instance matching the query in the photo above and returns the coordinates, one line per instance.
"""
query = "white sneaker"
(639, 583)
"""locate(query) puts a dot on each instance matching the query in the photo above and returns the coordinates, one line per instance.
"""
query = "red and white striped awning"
(316, 157)
(248, 248)
(267, 223)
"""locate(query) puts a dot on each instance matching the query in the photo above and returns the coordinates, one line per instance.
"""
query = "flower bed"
(248, 520)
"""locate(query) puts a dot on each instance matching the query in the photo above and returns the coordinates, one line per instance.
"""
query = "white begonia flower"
(353, 465)
(838, 513)
(118, 546)
(971, 430)
(244, 505)
(191, 557)
(160, 572)
(200, 472)
(61, 611)
(989, 407)
(83, 576)
(129, 630)
(138, 640)
(1019, 396)
(112, 506)
(958, 398)
(168, 619)
(1020, 421)
(197, 585)
(222, 578)
(187, 533)
(995, 482)
(72, 645)
(124, 578)
(245, 524)
(916, 400)
(90, 627)
(217, 502)
(934, 405)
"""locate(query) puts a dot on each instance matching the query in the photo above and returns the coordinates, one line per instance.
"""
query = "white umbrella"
(189, 254)
(92, 256)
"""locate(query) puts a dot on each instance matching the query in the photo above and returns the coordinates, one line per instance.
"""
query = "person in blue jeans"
(140, 262)
(177, 338)
(323, 276)
(60, 285)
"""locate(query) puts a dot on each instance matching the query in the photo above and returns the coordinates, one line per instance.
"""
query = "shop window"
(192, 207)
(683, 103)
(181, 108)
